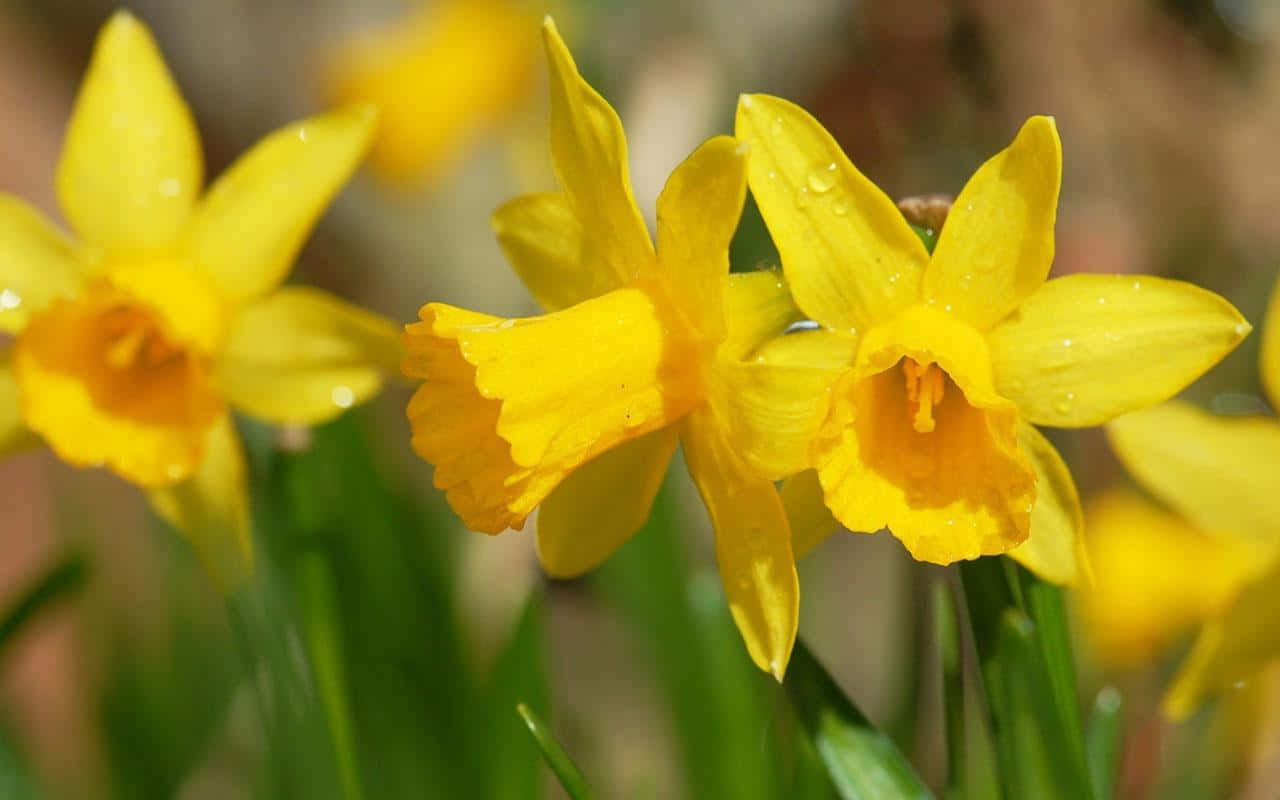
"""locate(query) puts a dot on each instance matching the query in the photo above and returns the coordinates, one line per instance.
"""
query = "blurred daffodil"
(1222, 475)
(580, 410)
(442, 78)
(939, 365)
(134, 338)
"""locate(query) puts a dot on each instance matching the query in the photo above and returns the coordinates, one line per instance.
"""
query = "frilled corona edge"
(508, 408)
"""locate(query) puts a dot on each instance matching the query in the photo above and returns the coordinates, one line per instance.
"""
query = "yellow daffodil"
(939, 365)
(445, 76)
(135, 337)
(1222, 475)
(579, 410)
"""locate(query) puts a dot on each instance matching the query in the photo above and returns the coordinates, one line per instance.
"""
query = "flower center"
(925, 388)
(133, 338)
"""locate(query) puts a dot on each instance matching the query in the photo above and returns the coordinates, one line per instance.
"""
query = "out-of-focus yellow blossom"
(938, 366)
(443, 77)
(133, 339)
(580, 410)
(1222, 474)
(1156, 577)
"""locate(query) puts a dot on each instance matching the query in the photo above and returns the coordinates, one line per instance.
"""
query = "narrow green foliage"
(863, 762)
(511, 759)
(1020, 632)
(1104, 739)
(62, 579)
(564, 768)
(953, 699)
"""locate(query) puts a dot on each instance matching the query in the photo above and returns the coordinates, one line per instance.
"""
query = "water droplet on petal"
(1241, 329)
(169, 187)
(1065, 403)
(303, 134)
(342, 396)
(802, 197)
(9, 299)
(773, 176)
(895, 277)
(821, 179)
(1102, 301)
(840, 206)
(1066, 342)
(776, 127)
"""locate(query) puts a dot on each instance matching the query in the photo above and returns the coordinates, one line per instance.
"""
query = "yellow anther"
(123, 352)
(925, 387)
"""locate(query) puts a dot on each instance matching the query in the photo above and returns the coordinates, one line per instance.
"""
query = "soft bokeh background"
(144, 685)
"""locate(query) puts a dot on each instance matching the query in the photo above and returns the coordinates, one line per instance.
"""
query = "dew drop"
(839, 206)
(1137, 285)
(9, 299)
(821, 179)
(802, 197)
(303, 134)
(1065, 403)
(776, 127)
(895, 277)
(506, 324)
(773, 176)
(1241, 329)
(947, 308)
(342, 396)
(1066, 342)
(1102, 301)
(169, 187)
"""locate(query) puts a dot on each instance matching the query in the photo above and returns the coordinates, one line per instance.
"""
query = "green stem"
(62, 579)
(953, 702)
(319, 608)
(561, 764)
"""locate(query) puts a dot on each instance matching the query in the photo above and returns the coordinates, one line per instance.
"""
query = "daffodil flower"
(134, 338)
(939, 365)
(579, 410)
(1222, 476)
(440, 79)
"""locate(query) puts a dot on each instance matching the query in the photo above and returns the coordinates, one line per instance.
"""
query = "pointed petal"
(302, 356)
(249, 226)
(807, 513)
(601, 504)
(1269, 363)
(14, 435)
(1086, 348)
(997, 244)
(848, 253)
(1222, 473)
(131, 166)
(545, 243)
(753, 544)
(1231, 648)
(810, 348)
(1055, 547)
(590, 153)
(37, 264)
(510, 407)
(1144, 598)
(698, 212)
(211, 508)
(773, 412)
(757, 307)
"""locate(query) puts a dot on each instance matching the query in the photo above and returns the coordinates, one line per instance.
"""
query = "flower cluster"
(909, 402)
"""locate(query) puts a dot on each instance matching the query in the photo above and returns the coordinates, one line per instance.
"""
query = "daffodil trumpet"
(135, 337)
(577, 412)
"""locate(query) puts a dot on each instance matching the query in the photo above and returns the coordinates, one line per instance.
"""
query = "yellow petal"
(545, 243)
(601, 504)
(130, 400)
(957, 490)
(211, 508)
(1231, 648)
(807, 513)
(302, 356)
(810, 348)
(753, 544)
(1157, 577)
(131, 166)
(440, 79)
(757, 307)
(773, 412)
(249, 226)
(1087, 348)
(698, 213)
(590, 153)
(14, 436)
(848, 253)
(510, 407)
(37, 264)
(1222, 473)
(1269, 363)
(1055, 548)
(997, 244)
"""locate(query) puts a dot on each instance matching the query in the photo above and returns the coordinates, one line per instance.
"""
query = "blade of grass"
(511, 758)
(60, 580)
(862, 762)
(566, 771)
(954, 707)
(1103, 740)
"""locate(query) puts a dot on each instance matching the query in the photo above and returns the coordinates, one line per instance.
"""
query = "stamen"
(925, 388)
(123, 352)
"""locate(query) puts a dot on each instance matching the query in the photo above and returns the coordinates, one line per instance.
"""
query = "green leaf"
(564, 768)
(1103, 740)
(511, 758)
(953, 699)
(863, 762)
(62, 579)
